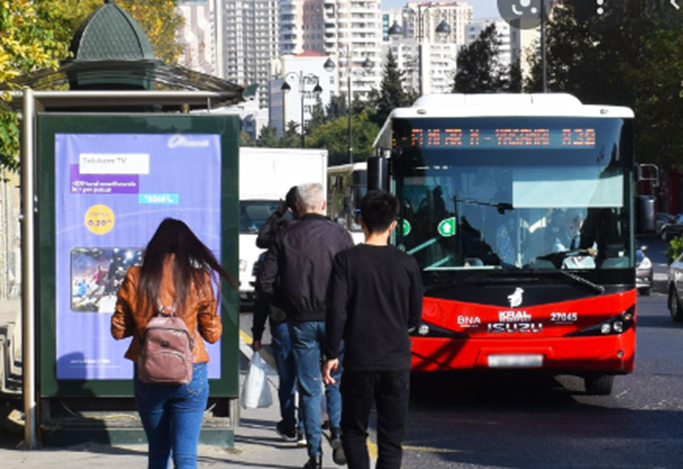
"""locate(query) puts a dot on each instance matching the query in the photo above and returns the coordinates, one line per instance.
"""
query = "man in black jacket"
(302, 259)
(375, 297)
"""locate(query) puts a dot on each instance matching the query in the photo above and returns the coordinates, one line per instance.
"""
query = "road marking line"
(427, 449)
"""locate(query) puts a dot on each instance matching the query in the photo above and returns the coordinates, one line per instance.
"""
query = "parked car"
(662, 219)
(644, 272)
(675, 283)
(672, 228)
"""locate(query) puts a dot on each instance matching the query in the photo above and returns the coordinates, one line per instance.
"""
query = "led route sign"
(501, 138)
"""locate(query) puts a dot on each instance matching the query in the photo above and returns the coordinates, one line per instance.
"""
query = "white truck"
(266, 174)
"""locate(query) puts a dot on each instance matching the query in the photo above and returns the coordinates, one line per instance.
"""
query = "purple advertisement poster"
(112, 191)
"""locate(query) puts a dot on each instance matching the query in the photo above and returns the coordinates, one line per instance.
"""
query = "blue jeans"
(172, 418)
(308, 340)
(286, 370)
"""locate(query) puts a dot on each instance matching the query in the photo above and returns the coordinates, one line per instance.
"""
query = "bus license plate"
(515, 361)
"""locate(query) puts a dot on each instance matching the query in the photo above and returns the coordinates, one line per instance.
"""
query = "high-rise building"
(252, 38)
(202, 36)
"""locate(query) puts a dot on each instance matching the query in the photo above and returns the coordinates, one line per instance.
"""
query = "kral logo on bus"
(513, 316)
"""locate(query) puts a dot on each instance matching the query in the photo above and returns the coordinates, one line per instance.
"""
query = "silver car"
(675, 282)
(644, 272)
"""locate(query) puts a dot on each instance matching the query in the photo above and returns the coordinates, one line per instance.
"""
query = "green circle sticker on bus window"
(447, 227)
(406, 227)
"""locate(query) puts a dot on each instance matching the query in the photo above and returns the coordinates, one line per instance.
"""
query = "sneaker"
(300, 438)
(339, 457)
(335, 438)
(287, 434)
(314, 462)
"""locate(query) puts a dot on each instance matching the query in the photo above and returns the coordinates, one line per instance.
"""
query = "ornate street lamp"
(304, 79)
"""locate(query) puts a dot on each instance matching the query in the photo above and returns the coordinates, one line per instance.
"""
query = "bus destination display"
(502, 138)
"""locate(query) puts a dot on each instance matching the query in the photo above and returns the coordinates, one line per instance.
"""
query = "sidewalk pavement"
(257, 445)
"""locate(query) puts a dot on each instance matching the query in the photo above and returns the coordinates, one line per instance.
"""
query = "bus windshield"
(511, 194)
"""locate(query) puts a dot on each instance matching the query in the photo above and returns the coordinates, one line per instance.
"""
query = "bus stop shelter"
(108, 149)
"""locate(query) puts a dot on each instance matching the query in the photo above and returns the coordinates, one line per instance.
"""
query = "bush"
(675, 249)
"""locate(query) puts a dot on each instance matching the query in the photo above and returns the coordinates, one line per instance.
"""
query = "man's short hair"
(378, 209)
(310, 196)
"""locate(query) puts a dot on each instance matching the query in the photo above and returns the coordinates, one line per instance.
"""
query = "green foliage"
(337, 107)
(268, 138)
(635, 62)
(675, 249)
(333, 135)
(246, 140)
(478, 67)
(317, 116)
(35, 34)
(391, 93)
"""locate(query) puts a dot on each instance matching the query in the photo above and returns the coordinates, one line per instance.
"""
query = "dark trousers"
(390, 392)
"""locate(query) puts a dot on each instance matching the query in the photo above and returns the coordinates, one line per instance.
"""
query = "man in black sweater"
(375, 296)
(300, 258)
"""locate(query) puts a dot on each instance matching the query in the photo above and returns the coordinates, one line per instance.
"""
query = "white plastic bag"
(256, 391)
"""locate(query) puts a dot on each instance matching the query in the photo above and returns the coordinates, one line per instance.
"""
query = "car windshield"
(511, 208)
(254, 213)
(639, 256)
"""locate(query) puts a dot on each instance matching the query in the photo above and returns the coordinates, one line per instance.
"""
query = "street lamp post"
(304, 79)
(367, 66)
(442, 30)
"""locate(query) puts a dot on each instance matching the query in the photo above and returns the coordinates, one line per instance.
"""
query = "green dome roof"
(110, 33)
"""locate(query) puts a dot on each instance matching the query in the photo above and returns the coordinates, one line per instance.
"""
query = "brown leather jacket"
(200, 311)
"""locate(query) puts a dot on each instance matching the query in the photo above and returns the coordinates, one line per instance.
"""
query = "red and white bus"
(519, 211)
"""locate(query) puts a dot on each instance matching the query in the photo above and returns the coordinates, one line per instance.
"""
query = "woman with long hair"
(178, 273)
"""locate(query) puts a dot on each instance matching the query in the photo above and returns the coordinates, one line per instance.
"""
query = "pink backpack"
(166, 350)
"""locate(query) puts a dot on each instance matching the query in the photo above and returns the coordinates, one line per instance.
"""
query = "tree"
(333, 135)
(268, 138)
(514, 83)
(35, 34)
(246, 140)
(317, 116)
(292, 136)
(633, 62)
(478, 65)
(28, 42)
(337, 107)
(391, 93)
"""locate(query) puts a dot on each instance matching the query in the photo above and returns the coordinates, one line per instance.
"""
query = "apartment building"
(348, 31)
(252, 37)
(202, 36)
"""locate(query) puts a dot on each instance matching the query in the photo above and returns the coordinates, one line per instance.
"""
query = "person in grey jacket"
(302, 256)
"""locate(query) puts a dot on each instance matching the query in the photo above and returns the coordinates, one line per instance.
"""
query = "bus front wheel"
(600, 385)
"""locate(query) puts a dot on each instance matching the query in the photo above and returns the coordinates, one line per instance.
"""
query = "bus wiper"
(501, 207)
(579, 279)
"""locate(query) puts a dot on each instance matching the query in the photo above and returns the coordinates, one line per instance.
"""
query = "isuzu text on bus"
(519, 211)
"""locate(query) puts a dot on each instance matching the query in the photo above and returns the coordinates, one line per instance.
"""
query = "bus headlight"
(614, 325)
(429, 330)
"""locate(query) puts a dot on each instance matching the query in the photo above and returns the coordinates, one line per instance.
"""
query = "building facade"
(252, 38)
(302, 73)
(202, 36)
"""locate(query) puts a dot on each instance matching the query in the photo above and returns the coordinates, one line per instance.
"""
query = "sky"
(481, 8)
